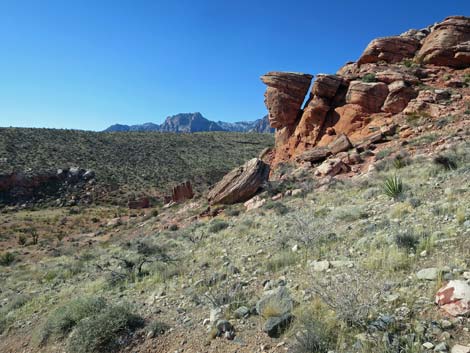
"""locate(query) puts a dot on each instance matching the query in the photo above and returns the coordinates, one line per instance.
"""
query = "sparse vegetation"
(370, 77)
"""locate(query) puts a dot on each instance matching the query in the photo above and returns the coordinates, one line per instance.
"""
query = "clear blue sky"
(87, 64)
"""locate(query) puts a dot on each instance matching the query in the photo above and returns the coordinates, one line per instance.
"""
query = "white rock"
(458, 348)
(320, 266)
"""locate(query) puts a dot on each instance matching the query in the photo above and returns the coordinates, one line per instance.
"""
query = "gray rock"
(441, 347)
(242, 312)
(226, 329)
(276, 325)
(429, 274)
(276, 301)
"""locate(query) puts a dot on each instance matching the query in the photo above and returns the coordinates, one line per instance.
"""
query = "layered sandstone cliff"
(366, 96)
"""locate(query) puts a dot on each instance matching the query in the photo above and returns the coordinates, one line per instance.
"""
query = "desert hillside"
(350, 234)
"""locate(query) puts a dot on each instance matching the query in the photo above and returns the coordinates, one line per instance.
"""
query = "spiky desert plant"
(393, 186)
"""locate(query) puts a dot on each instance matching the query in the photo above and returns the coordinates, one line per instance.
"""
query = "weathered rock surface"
(276, 325)
(369, 95)
(276, 301)
(284, 96)
(390, 49)
(454, 298)
(448, 44)
(240, 184)
(398, 98)
(182, 192)
(340, 144)
(314, 155)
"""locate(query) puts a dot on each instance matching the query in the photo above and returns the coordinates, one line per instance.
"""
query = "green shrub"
(446, 162)
(370, 77)
(311, 338)
(407, 241)
(103, 331)
(63, 319)
(173, 227)
(7, 258)
(393, 186)
(156, 328)
(218, 225)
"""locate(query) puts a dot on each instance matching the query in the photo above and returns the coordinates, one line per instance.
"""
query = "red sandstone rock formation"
(448, 44)
(182, 192)
(349, 103)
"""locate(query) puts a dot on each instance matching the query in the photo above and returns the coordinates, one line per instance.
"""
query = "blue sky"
(86, 64)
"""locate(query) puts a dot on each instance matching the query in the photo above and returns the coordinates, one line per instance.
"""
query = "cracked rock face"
(284, 96)
(389, 49)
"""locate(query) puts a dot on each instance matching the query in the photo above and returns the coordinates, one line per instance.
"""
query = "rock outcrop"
(67, 184)
(240, 184)
(448, 44)
(454, 298)
(182, 192)
(363, 97)
(284, 96)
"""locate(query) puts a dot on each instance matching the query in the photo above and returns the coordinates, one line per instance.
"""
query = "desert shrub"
(22, 239)
(103, 331)
(349, 214)
(407, 241)
(156, 328)
(447, 162)
(16, 302)
(7, 258)
(173, 227)
(370, 77)
(232, 212)
(281, 260)
(311, 338)
(383, 153)
(354, 297)
(63, 319)
(217, 225)
(278, 207)
(393, 186)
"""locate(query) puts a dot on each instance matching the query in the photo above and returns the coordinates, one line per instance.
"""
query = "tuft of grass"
(393, 186)
(283, 259)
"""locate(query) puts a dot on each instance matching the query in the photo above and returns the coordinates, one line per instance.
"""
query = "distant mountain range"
(195, 122)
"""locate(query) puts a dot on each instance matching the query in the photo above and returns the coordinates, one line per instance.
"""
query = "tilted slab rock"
(390, 49)
(314, 155)
(369, 95)
(448, 44)
(284, 96)
(240, 184)
(341, 144)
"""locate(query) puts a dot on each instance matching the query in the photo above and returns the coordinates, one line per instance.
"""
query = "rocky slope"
(420, 72)
(195, 122)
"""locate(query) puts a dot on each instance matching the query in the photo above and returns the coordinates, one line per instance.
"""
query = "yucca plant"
(393, 186)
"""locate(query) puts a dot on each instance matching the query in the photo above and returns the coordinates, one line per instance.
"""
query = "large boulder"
(240, 184)
(400, 93)
(448, 44)
(390, 49)
(454, 298)
(284, 96)
(369, 95)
